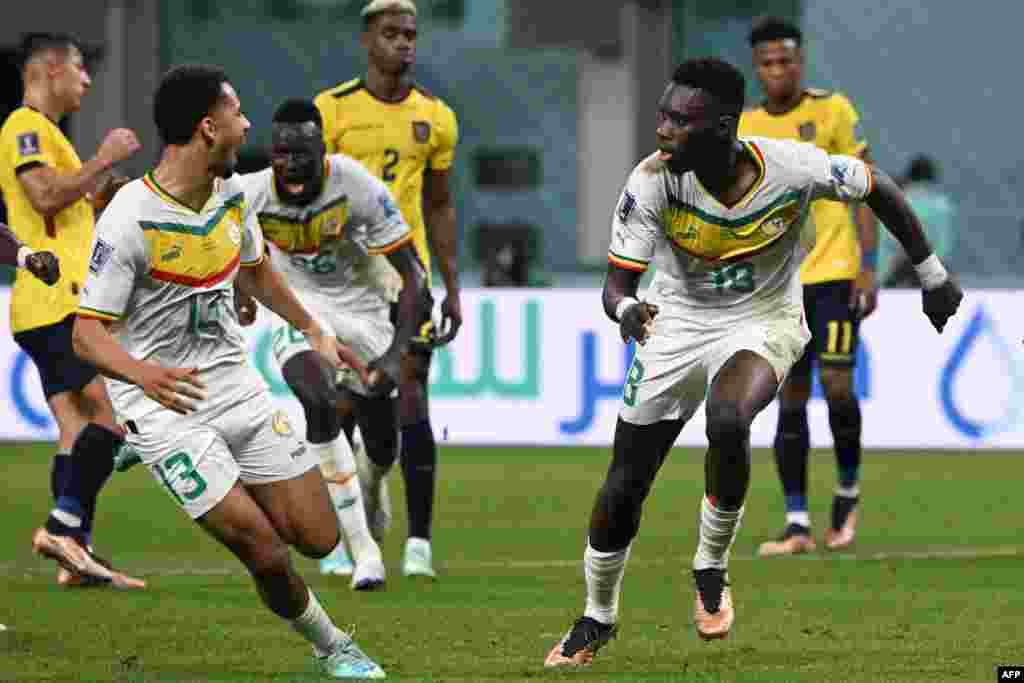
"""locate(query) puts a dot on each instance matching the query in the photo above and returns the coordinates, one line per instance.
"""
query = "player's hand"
(334, 352)
(940, 304)
(864, 294)
(44, 265)
(245, 308)
(107, 188)
(177, 389)
(119, 144)
(451, 318)
(637, 322)
(384, 373)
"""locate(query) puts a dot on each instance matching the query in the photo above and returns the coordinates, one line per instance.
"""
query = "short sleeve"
(443, 155)
(374, 206)
(848, 138)
(118, 259)
(636, 224)
(252, 236)
(836, 176)
(26, 141)
(324, 102)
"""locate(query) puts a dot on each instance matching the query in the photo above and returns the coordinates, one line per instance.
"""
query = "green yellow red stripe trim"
(390, 248)
(250, 264)
(180, 279)
(627, 263)
(86, 312)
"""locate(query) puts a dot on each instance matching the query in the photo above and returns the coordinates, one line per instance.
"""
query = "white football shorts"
(671, 373)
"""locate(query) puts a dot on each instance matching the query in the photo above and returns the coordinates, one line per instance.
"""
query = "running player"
(323, 216)
(199, 415)
(721, 219)
(406, 136)
(839, 282)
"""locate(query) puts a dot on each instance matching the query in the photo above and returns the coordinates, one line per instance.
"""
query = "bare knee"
(837, 384)
(795, 393)
(727, 425)
(263, 556)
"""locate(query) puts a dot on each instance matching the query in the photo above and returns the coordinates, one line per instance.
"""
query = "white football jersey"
(717, 256)
(337, 270)
(163, 274)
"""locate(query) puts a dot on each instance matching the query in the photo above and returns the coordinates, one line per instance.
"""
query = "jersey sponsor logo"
(234, 232)
(172, 253)
(101, 253)
(807, 131)
(28, 144)
(626, 205)
(421, 131)
(280, 424)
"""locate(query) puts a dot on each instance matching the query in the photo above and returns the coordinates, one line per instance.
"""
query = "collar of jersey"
(755, 153)
(323, 185)
(149, 181)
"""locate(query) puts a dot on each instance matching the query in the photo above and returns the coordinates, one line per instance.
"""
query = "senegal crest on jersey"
(303, 232)
(713, 238)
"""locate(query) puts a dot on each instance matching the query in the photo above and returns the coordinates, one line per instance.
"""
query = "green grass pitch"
(932, 591)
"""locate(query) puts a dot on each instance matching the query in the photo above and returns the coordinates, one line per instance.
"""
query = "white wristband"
(931, 272)
(23, 254)
(623, 305)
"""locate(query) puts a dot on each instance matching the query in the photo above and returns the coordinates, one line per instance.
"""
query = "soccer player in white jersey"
(720, 218)
(323, 217)
(156, 317)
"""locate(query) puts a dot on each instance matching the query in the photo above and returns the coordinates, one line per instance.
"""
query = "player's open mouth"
(664, 155)
(295, 188)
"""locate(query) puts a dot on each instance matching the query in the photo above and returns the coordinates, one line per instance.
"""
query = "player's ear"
(208, 129)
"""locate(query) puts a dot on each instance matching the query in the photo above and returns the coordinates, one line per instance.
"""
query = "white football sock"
(316, 626)
(339, 468)
(717, 532)
(802, 518)
(603, 573)
(848, 491)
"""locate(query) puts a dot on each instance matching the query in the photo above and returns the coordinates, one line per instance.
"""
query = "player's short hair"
(719, 78)
(33, 44)
(375, 7)
(769, 28)
(185, 95)
(298, 110)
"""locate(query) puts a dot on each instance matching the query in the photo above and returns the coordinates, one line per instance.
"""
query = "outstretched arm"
(942, 294)
(266, 285)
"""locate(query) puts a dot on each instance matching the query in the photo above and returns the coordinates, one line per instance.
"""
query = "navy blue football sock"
(419, 462)
(792, 446)
(844, 418)
(59, 471)
(92, 461)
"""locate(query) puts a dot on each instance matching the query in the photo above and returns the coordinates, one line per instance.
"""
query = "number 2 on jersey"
(391, 159)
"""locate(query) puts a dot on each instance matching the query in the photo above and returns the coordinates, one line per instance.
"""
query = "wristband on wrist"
(931, 272)
(623, 305)
(23, 254)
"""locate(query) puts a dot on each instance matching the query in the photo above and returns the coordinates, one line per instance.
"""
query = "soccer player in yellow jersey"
(838, 276)
(407, 137)
(49, 195)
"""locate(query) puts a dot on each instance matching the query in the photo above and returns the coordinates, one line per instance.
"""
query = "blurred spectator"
(937, 211)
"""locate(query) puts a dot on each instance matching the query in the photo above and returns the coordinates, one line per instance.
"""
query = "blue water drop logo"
(980, 329)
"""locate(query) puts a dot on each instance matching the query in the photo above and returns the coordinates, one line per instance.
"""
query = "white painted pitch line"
(966, 553)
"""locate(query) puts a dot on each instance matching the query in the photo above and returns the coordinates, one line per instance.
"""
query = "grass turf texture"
(932, 590)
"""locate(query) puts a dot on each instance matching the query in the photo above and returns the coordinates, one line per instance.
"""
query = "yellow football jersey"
(30, 139)
(397, 141)
(828, 120)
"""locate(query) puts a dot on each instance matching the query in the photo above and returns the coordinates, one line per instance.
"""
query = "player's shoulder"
(344, 89)
(22, 119)
(647, 179)
(256, 185)
(343, 168)
(231, 190)
(132, 203)
(833, 99)
(785, 156)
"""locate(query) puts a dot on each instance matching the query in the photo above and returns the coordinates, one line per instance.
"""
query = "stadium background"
(556, 103)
